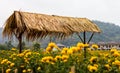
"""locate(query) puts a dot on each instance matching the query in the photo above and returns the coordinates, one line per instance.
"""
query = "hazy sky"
(103, 10)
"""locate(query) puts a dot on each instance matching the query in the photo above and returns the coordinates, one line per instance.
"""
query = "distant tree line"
(8, 45)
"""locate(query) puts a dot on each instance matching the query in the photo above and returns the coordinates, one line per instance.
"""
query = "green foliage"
(36, 46)
(6, 46)
(9, 44)
(3, 47)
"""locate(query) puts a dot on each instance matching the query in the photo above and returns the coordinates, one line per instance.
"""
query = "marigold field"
(65, 60)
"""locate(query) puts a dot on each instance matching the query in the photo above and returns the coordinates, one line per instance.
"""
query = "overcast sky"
(103, 10)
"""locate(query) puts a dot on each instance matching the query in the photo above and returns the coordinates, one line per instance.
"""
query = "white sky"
(103, 10)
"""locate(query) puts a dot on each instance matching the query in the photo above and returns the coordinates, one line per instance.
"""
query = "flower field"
(65, 60)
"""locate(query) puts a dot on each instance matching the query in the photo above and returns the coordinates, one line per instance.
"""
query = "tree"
(36, 46)
(9, 45)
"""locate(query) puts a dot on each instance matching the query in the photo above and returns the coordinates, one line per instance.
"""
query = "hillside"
(110, 32)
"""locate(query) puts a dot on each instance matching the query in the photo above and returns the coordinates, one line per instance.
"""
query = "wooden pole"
(84, 37)
(20, 35)
(90, 37)
(80, 38)
(20, 43)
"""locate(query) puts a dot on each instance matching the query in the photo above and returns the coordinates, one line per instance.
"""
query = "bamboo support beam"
(90, 37)
(80, 38)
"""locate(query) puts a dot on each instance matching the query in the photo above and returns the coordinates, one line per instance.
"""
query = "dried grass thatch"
(35, 26)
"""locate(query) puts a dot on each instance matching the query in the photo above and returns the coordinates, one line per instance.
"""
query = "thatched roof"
(34, 25)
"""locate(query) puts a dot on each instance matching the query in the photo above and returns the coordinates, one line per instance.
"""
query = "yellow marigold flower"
(113, 50)
(88, 49)
(109, 60)
(63, 52)
(86, 45)
(12, 55)
(65, 57)
(106, 55)
(8, 62)
(24, 71)
(116, 54)
(107, 66)
(25, 51)
(20, 55)
(50, 58)
(95, 65)
(93, 59)
(57, 58)
(12, 64)
(79, 48)
(49, 49)
(51, 44)
(8, 70)
(44, 59)
(39, 68)
(95, 46)
(13, 49)
(36, 53)
(4, 61)
(28, 54)
(116, 62)
(81, 45)
(65, 60)
(74, 49)
(92, 68)
(65, 49)
(70, 51)
(28, 70)
(47, 59)
(100, 54)
(26, 61)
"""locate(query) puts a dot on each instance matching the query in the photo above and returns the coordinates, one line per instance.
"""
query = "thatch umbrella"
(34, 26)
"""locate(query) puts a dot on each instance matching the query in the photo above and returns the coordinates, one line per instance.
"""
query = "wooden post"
(20, 35)
(90, 37)
(20, 43)
(84, 37)
(80, 38)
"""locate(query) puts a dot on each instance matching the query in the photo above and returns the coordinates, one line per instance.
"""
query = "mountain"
(110, 32)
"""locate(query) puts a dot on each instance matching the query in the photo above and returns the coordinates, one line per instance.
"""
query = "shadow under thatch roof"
(33, 26)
